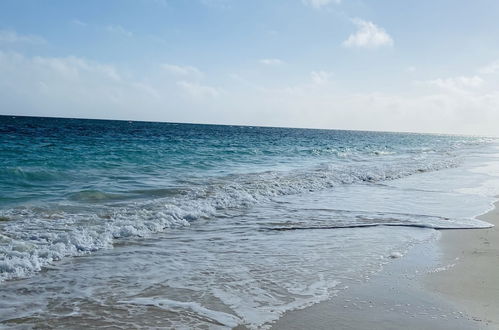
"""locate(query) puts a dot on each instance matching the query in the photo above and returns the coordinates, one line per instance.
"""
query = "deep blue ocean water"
(238, 224)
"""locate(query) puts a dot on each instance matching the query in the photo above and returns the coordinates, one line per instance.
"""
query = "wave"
(28, 176)
(95, 196)
(36, 237)
(334, 219)
(479, 225)
(225, 320)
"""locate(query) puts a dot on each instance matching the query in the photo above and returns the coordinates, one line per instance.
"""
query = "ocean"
(144, 224)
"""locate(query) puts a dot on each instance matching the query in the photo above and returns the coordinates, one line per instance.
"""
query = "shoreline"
(473, 280)
(451, 284)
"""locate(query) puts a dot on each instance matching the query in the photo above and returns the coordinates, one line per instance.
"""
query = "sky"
(385, 65)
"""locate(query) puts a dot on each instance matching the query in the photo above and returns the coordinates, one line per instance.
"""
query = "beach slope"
(411, 293)
(473, 280)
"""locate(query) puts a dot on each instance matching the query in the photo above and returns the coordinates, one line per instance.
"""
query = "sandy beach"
(473, 281)
(451, 285)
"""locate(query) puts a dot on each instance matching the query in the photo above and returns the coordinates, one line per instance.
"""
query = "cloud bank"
(77, 87)
(271, 61)
(12, 37)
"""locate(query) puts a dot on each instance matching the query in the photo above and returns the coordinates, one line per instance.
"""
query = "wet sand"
(453, 284)
(473, 282)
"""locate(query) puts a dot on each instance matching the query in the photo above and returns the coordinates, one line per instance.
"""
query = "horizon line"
(247, 125)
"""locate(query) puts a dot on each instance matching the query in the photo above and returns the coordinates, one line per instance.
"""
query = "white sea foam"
(224, 319)
(442, 268)
(210, 277)
(36, 237)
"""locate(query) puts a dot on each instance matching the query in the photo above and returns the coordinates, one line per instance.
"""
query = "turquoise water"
(213, 225)
(48, 160)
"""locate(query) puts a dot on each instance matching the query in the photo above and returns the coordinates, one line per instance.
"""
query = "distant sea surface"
(142, 224)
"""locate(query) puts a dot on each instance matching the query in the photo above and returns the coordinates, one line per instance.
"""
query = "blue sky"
(425, 66)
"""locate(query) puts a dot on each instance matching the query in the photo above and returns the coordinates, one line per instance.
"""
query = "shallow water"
(157, 224)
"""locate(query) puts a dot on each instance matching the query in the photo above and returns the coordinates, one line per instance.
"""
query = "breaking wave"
(35, 237)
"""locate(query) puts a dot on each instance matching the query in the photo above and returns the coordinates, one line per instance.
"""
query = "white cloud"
(434, 110)
(368, 35)
(65, 86)
(78, 22)
(490, 68)
(457, 83)
(426, 107)
(317, 4)
(271, 61)
(10, 36)
(76, 87)
(411, 69)
(320, 77)
(118, 29)
(180, 70)
(199, 91)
